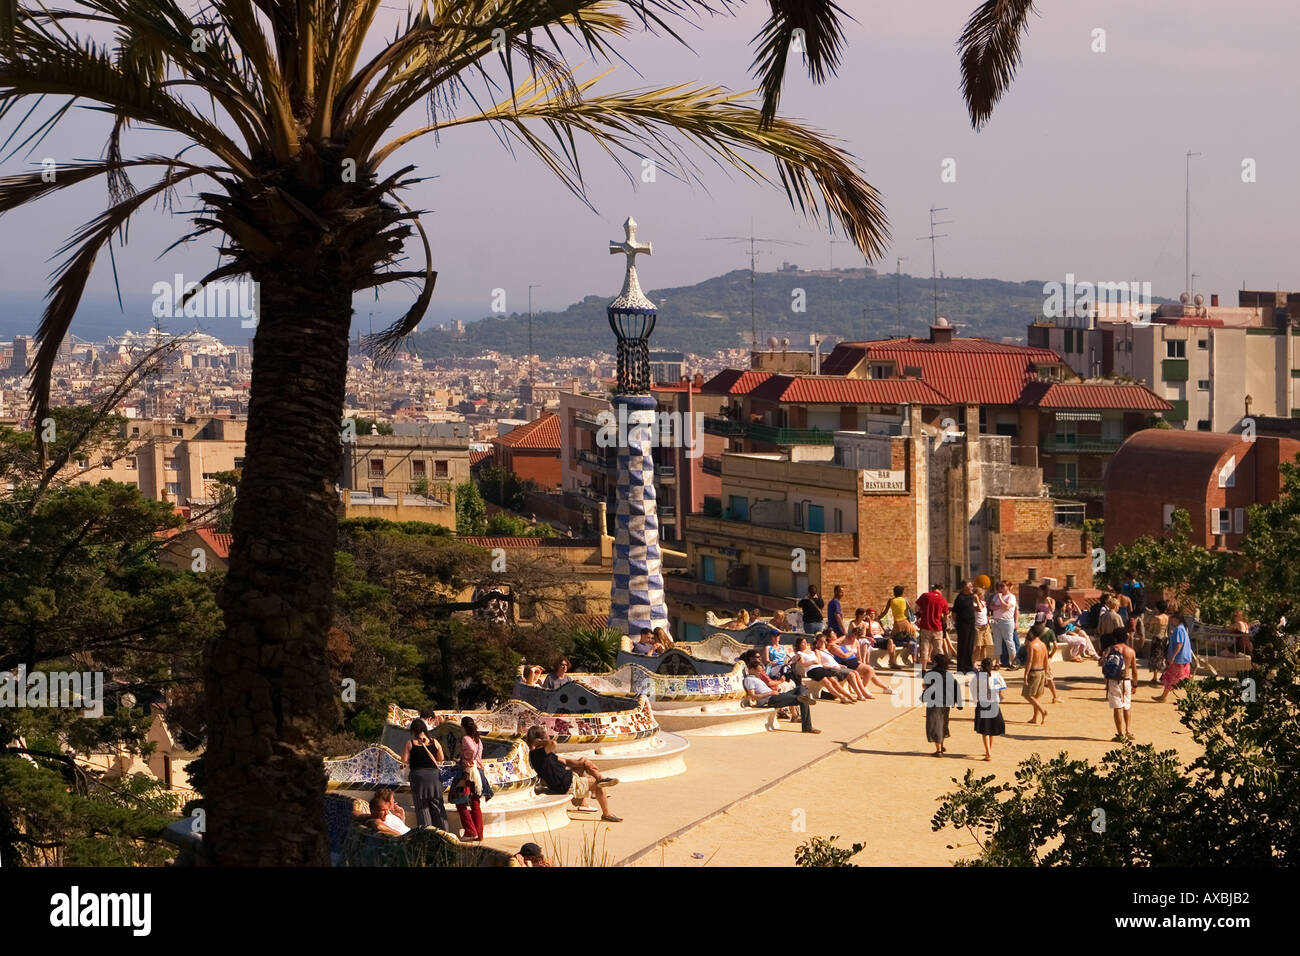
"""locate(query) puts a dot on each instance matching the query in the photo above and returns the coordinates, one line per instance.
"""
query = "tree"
(293, 111)
(1235, 805)
(81, 590)
(470, 510)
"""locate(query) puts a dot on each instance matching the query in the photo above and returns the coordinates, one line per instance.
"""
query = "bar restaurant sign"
(884, 482)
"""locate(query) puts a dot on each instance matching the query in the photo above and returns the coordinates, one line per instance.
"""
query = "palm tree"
(292, 113)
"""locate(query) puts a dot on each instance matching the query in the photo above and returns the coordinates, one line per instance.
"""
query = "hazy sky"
(1081, 169)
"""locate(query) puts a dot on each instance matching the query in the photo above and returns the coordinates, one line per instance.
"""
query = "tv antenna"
(1187, 226)
(934, 275)
(753, 241)
(898, 291)
(530, 322)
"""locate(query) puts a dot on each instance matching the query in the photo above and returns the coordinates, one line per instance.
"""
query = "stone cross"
(630, 248)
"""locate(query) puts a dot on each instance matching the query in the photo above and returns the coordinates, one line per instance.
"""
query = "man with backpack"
(1119, 667)
(1110, 626)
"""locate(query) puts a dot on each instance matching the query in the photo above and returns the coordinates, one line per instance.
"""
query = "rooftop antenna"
(1187, 225)
(898, 291)
(831, 243)
(934, 278)
(753, 240)
(530, 321)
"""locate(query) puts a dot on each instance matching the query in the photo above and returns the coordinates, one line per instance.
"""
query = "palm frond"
(990, 52)
(70, 282)
(815, 173)
(819, 23)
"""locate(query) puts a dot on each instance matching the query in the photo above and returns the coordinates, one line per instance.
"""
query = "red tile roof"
(476, 456)
(1048, 395)
(963, 370)
(218, 544)
(544, 433)
(511, 542)
(734, 381)
(823, 390)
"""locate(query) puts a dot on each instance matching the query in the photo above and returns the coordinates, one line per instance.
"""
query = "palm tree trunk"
(268, 689)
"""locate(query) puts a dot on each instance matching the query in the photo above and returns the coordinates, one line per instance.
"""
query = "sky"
(1080, 171)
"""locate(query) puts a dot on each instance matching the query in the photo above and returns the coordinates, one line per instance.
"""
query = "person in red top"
(932, 620)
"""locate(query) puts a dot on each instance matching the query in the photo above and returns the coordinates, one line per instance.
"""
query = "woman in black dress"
(963, 616)
(421, 756)
(939, 692)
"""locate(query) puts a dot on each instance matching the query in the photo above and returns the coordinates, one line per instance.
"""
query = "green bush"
(822, 851)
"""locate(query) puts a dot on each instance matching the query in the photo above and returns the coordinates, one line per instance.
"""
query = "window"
(417, 468)
(839, 520)
(376, 467)
(1067, 432)
(1220, 521)
(1176, 348)
(798, 514)
(239, 463)
(171, 464)
(106, 462)
(178, 433)
(739, 507)
(800, 585)
(1202, 344)
(83, 463)
(1203, 425)
(880, 371)
(1228, 473)
(816, 519)
(764, 579)
(135, 429)
(1202, 384)
(708, 569)
(173, 487)
(440, 469)
(131, 464)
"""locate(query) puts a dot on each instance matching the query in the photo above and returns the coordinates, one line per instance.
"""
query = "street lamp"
(632, 317)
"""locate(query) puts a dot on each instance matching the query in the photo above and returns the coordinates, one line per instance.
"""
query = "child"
(989, 687)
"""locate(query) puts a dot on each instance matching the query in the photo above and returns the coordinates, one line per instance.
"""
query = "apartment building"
(925, 506)
(1214, 365)
(381, 466)
(1067, 429)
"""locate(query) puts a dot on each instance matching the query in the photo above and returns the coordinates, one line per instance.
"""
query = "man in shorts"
(1119, 667)
(561, 774)
(1035, 673)
(932, 618)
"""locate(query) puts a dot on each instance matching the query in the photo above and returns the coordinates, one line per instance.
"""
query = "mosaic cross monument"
(637, 592)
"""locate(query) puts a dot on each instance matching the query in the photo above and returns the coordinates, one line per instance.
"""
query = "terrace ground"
(870, 776)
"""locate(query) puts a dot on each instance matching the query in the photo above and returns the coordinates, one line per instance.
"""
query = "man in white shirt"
(761, 695)
(1003, 609)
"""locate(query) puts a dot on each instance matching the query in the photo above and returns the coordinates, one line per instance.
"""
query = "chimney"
(940, 332)
(1214, 300)
(698, 382)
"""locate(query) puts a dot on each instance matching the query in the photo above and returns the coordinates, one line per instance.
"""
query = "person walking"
(989, 688)
(1110, 626)
(811, 607)
(1035, 673)
(468, 791)
(963, 619)
(1178, 661)
(421, 756)
(983, 630)
(1003, 606)
(940, 692)
(1119, 667)
(1157, 635)
(932, 619)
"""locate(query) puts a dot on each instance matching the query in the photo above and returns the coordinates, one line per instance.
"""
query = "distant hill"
(715, 314)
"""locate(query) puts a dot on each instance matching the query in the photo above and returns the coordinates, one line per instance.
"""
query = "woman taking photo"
(421, 757)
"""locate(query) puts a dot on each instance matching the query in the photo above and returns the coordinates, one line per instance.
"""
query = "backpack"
(1113, 666)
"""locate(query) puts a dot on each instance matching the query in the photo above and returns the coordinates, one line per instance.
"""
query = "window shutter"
(1167, 516)
(1238, 520)
(1215, 526)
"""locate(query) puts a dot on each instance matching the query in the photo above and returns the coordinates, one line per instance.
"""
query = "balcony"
(711, 466)
(1179, 412)
(596, 460)
(1076, 444)
(726, 427)
(1080, 488)
(666, 511)
(1173, 370)
(588, 418)
(771, 435)
(667, 474)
